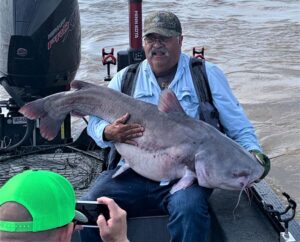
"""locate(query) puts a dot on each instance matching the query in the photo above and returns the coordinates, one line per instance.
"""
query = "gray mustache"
(162, 51)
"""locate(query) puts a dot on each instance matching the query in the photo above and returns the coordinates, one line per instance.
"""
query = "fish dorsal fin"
(169, 103)
(75, 84)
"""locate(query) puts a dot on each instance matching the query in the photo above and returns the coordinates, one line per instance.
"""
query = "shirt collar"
(145, 87)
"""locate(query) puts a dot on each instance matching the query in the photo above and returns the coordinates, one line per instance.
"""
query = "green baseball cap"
(48, 197)
(163, 23)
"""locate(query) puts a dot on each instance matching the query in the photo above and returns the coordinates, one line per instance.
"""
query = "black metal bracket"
(198, 53)
(108, 59)
(283, 216)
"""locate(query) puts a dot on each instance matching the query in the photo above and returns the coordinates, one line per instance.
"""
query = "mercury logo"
(22, 52)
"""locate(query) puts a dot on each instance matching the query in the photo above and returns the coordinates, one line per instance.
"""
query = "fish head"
(232, 172)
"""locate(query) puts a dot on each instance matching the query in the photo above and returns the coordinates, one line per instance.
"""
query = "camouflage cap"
(163, 23)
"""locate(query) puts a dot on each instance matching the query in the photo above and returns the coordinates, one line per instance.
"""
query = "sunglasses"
(151, 39)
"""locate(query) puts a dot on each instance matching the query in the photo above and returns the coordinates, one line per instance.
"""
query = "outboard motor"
(39, 55)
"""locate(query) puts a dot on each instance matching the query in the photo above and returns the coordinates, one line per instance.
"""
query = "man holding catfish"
(167, 67)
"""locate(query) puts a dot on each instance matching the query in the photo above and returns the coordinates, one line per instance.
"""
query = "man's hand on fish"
(121, 132)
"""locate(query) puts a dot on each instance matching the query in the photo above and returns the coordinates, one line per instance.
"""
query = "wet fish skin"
(173, 146)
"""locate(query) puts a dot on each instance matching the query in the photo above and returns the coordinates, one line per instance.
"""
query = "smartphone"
(92, 209)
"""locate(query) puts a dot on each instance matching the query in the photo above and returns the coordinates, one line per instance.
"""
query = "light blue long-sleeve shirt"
(232, 117)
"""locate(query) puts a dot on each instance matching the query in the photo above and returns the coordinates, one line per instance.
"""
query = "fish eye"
(240, 174)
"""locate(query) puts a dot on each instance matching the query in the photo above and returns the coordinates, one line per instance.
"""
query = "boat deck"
(247, 223)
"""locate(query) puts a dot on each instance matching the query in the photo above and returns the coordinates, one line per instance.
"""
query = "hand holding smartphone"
(91, 209)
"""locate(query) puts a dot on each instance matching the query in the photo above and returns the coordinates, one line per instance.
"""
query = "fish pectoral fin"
(121, 169)
(49, 127)
(185, 181)
(169, 103)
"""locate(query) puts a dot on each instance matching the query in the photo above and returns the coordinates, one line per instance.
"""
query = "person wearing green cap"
(204, 94)
(40, 206)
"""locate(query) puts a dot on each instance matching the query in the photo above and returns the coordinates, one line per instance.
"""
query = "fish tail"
(33, 110)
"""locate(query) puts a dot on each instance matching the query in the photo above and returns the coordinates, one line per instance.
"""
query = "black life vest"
(207, 111)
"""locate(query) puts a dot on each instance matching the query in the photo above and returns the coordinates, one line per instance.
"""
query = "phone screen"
(91, 210)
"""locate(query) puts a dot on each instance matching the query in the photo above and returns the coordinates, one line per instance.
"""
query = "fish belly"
(155, 164)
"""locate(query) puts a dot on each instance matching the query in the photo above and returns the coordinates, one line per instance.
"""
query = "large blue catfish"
(173, 146)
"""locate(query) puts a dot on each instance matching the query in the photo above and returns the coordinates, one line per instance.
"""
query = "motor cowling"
(39, 55)
(40, 45)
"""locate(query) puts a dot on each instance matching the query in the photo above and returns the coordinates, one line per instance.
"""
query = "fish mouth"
(252, 182)
(263, 173)
(240, 184)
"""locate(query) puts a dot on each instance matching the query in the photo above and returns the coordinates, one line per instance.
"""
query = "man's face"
(162, 52)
